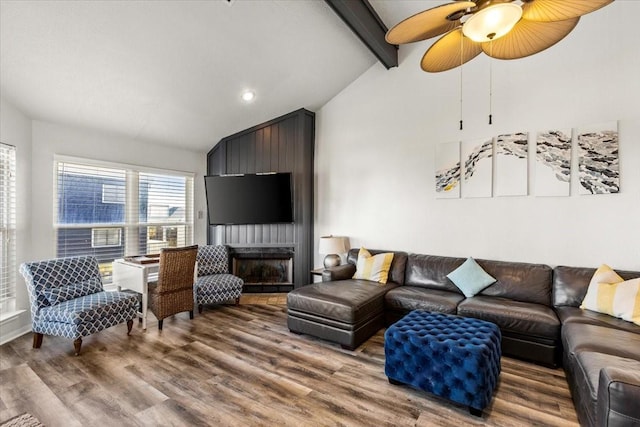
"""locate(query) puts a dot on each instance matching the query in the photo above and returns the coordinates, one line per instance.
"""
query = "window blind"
(120, 210)
(7, 227)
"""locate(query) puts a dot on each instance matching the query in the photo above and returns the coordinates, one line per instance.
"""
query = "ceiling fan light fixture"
(492, 22)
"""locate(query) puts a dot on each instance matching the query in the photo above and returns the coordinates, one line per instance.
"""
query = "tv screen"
(249, 199)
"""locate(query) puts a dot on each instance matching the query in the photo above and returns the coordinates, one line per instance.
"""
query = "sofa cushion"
(578, 337)
(570, 284)
(89, 308)
(396, 273)
(519, 281)
(610, 294)
(408, 298)
(345, 300)
(217, 288)
(373, 267)
(212, 259)
(470, 278)
(430, 271)
(59, 294)
(605, 274)
(513, 316)
(577, 315)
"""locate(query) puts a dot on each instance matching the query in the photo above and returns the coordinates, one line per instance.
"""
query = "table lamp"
(332, 246)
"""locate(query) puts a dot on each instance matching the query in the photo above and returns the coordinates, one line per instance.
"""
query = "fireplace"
(264, 269)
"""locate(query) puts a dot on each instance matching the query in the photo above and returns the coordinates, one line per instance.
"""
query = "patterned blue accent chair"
(68, 300)
(214, 284)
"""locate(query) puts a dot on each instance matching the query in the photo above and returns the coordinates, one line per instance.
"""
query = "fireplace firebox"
(264, 269)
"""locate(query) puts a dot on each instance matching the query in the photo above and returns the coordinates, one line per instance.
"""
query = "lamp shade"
(492, 22)
(332, 245)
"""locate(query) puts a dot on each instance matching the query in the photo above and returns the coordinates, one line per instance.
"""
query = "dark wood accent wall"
(284, 144)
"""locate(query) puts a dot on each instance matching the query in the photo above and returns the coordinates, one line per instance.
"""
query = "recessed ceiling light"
(248, 95)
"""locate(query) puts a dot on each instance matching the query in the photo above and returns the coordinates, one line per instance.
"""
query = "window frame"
(111, 186)
(106, 244)
(131, 226)
(8, 228)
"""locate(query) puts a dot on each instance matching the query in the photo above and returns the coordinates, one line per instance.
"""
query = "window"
(110, 210)
(104, 237)
(113, 193)
(7, 227)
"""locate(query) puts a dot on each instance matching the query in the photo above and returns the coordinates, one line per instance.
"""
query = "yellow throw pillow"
(374, 268)
(608, 293)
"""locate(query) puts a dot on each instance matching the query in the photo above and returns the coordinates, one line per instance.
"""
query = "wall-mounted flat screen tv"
(249, 199)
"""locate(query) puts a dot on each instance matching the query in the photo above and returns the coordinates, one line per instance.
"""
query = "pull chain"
(491, 83)
(461, 54)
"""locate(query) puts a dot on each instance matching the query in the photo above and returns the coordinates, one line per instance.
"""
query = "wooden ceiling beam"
(367, 25)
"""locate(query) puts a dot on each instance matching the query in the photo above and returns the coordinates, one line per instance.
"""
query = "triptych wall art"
(499, 166)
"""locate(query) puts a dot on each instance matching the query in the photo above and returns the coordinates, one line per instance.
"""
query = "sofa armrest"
(341, 272)
(618, 397)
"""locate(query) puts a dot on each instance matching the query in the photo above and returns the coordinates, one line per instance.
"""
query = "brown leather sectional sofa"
(535, 306)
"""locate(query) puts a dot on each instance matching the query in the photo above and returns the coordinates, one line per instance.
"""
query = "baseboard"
(12, 333)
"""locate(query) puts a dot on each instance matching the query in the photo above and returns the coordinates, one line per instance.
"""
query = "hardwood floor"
(239, 366)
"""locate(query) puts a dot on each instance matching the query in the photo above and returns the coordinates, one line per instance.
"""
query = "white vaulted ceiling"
(172, 72)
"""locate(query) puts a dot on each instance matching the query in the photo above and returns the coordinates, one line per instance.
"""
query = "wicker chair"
(173, 292)
(68, 300)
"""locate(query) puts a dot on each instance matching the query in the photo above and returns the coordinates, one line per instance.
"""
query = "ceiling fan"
(503, 29)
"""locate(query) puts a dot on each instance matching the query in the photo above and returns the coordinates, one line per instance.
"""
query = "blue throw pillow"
(470, 278)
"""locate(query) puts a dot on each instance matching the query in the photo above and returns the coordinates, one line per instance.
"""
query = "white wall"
(37, 143)
(53, 139)
(15, 129)
(375, 145)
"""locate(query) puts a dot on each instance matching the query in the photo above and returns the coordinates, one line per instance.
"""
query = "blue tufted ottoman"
(454, 357)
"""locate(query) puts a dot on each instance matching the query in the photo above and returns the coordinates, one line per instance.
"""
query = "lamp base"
(331, 260)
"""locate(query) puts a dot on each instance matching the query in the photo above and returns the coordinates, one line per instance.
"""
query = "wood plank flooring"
(240, 366)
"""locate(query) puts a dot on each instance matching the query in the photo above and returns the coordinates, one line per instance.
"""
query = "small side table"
(317, 271)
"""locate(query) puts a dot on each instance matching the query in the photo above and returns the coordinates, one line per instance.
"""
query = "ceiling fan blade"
(450, 51)
(429, 23)
(558, 10)
(529, 37)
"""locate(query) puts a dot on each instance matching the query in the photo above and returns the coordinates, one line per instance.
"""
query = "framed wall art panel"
(512, 154)
(553, 163)
(477, 168)
(447, 169)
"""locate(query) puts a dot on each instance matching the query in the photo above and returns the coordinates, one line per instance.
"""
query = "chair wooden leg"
(37, 340)
(77, 344)
(160, 324)
(238, 301)
(191, 314)
(199, 308)
(129, 326)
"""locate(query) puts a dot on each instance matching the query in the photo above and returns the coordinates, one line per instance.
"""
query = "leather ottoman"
(344, 312)
(454, 357)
